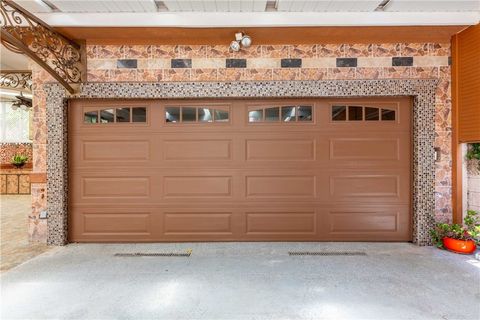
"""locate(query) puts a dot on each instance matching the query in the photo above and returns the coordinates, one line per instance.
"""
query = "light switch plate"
(43, 214)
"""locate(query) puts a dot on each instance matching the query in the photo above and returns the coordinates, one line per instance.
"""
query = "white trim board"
(259, 19)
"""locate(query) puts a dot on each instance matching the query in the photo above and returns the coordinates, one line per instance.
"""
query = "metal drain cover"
(155, 254)
(326, 253)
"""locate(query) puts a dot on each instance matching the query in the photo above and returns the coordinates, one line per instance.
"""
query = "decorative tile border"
(422, 91)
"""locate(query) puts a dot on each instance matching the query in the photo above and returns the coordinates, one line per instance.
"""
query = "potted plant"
(456, 237)
(19, 160)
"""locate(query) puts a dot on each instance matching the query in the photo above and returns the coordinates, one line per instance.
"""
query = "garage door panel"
(114, 151)
(270, 180)
(369, 223)
(197, 149)
(281, 222)
(364, 186)
(194, 223)
(280, 186)
(364, 149)
(355, 222)
(113, 224)
(373, 150)
(104, 151)
(280, 149)
(115, 187)
(197, 186)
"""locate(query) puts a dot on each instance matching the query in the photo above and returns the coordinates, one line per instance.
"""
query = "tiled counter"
(15, 181)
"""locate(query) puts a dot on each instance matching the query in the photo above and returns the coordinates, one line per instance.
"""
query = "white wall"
(473, 185)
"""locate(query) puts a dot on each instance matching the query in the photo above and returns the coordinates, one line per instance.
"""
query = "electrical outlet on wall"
(438, 155)
(43, 214)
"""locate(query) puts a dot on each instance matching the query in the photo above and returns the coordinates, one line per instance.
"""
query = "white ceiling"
(13, 61)
(251, 13)
(75, 6)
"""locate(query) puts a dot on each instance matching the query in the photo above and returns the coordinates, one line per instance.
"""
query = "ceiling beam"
(259, 19)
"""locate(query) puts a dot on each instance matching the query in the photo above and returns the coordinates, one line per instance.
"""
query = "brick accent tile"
(359, 50)
(387, 50)
(230, 74)
(275, 51)
(176, 74)
(415, 49)
(257, 75)
(303, 51)
(331, 50)
(286, 74)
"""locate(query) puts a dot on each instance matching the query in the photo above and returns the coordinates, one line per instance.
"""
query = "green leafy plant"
(473, 152)
(19, 160)
(469, 231)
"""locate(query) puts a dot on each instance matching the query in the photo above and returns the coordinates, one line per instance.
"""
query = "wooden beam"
(457, 170)
(263, 36)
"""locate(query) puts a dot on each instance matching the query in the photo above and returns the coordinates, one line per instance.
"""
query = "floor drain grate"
(154, 254)
(326, 253)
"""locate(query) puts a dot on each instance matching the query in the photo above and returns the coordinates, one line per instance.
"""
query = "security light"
(241, 40)
(235, 45)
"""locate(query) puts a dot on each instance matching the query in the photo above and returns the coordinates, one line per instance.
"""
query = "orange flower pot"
(459, 246)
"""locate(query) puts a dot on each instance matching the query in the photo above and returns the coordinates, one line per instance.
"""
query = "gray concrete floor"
(243, 281)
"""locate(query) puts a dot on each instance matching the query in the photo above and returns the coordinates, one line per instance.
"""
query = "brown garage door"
(320, 169)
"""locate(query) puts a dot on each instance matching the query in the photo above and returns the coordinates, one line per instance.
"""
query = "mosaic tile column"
(57, 166)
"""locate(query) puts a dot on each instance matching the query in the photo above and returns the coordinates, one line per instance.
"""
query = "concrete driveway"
(244, 281)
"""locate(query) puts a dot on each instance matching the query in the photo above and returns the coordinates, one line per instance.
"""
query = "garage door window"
(116, 115)
(195, 115)
(280, 114)
(361, 113)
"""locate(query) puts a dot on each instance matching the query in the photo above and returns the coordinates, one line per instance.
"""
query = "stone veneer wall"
(8, 150)
(184, 63)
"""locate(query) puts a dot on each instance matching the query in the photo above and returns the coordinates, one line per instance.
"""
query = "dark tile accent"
(449, 61)
(346, 62)
(402, 61)
(127, 63)
(236, 63)
(291, 63)
(181, 63)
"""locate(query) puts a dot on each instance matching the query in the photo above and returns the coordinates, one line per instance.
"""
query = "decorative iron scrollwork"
(23, 32)
(16, 80)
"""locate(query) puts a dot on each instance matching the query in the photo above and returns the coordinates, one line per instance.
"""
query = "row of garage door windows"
(266, 114)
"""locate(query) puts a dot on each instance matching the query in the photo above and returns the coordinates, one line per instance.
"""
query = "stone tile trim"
(236, 63)
(127, 63)
(181, 63)
(270, 63)
(291, 63)
(402, 61)
(346, 62)
(422, 91)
